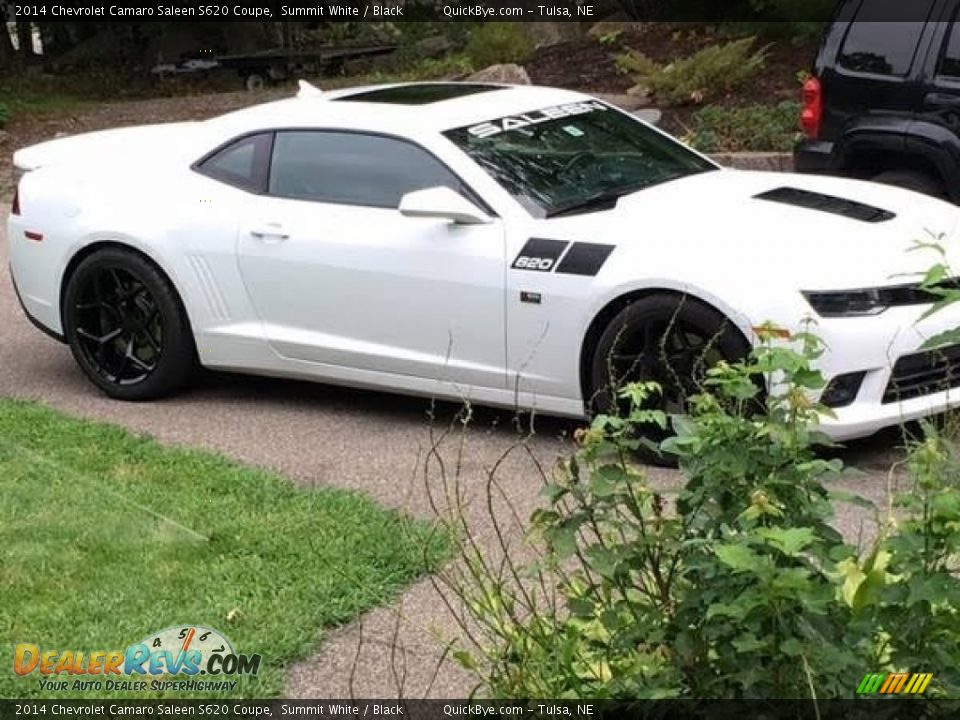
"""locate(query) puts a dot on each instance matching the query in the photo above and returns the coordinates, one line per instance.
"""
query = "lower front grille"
(924, 373)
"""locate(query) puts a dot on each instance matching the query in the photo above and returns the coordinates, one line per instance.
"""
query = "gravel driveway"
(371, 442)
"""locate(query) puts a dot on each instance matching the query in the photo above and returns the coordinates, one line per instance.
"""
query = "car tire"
(686, 334)
(126, 326)
(915, 180)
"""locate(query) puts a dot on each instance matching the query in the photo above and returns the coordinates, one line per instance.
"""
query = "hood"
(110, 146)
(821, 233)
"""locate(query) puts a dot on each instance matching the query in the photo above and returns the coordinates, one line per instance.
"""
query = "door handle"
(942, 100)
(269, 231)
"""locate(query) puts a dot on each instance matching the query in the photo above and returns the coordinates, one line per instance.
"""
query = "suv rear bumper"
(813, 156)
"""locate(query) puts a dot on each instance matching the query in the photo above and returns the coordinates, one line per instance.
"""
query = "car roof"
(400, 108)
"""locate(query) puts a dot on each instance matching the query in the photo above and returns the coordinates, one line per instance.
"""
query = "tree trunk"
(7, 51)
(25, 39)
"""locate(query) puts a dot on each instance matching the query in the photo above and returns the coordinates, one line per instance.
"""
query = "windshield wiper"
(600, 201)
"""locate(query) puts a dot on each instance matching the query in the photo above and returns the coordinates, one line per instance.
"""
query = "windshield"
(572, 158)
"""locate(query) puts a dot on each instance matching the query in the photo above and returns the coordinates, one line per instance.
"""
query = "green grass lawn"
(106, 536)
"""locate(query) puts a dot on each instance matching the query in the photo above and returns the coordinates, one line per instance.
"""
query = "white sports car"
(516, 246)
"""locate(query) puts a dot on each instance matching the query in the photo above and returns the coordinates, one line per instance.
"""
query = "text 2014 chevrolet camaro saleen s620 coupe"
(517, 246)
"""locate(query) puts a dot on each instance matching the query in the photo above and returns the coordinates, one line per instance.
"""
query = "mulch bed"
(586, 64)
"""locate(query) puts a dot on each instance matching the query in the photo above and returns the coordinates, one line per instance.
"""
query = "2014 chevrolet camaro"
(515, 246)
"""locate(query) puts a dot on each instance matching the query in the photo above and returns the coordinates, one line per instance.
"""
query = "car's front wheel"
(668, 339)
(126, 326)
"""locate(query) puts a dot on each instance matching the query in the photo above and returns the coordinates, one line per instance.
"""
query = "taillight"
(812, 112)
(15, 210)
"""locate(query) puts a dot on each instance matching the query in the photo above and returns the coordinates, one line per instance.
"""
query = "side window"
(875, 44)
(352, 168)
(950, 62)
(242, 164)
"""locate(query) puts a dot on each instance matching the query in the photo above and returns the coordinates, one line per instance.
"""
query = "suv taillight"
(812, 111)
(15, 210)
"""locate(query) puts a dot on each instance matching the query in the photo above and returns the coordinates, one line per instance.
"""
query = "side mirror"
(444, 204)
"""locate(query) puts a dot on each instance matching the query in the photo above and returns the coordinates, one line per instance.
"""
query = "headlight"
(870, 301)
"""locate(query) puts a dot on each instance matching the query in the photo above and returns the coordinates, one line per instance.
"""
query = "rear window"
(878, 45)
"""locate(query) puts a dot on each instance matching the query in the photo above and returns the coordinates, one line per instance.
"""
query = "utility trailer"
(262, 68)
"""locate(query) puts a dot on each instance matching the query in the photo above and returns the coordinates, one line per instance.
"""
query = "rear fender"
(937, 142)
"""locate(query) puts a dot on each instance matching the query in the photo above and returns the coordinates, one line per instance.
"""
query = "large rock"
(508, 74)
(547, 34)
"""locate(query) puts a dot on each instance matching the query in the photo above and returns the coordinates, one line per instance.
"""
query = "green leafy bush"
(4, 114)
(635, 63)
(499, 42)
(747, 128)
(705, 75)
(738, 587)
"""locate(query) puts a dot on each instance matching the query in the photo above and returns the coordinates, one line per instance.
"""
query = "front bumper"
(873, 345)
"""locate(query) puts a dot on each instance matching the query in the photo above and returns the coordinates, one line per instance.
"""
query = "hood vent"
(827, 203)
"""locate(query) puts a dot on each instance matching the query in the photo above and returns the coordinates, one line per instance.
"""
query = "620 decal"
(542, 255)
(539, 254)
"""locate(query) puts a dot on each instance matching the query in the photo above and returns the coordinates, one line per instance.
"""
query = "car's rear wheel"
(126, 326)
(669, 339)
(915, 180)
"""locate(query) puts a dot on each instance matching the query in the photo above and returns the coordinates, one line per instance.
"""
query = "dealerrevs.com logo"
(171, 659)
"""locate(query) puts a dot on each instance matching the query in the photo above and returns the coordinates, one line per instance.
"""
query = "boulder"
(507, 74)
(547, 34)
(649, 115)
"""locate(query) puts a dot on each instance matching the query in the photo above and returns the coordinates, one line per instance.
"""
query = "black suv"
(884, 103)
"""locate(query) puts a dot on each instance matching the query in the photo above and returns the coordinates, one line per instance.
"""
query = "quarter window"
(352, 168)
(242, 164)
(876, 44)
(950, 63)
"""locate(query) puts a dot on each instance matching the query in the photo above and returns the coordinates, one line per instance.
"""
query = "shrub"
(4, 114)
(499, 42)
(736, 588)
(635, 63)
(748, 128)
(705, 75)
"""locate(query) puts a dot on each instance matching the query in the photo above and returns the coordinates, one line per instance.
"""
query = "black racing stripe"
(585, 259)
(539, 255)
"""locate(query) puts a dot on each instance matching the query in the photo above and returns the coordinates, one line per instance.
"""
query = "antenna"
(308, 90)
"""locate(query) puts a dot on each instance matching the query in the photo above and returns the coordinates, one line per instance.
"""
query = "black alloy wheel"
(126, 326)
(668, 339)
